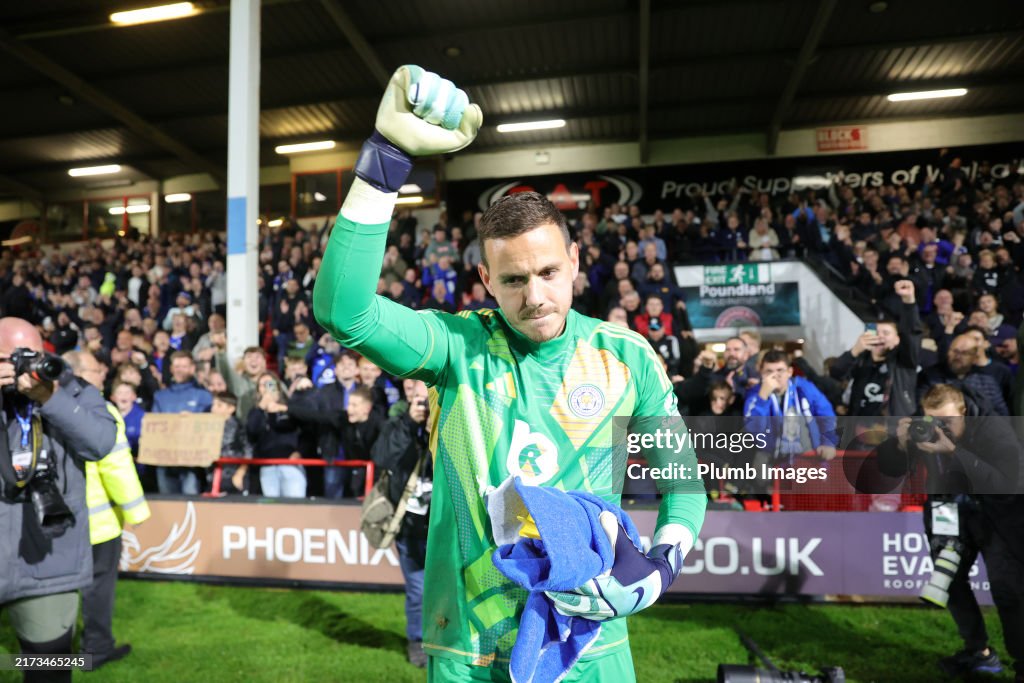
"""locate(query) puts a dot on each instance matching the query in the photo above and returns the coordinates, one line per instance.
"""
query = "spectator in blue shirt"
(650, 237)
(126, 401)
(183, 395)
(442, 271)
(792, 414)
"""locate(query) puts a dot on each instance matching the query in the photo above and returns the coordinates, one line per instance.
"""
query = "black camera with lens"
(44, 367)
(52, 513)
(40, 482)
(926, 429)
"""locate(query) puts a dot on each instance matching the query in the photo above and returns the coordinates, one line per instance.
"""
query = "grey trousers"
(45, 625)
(43, 618)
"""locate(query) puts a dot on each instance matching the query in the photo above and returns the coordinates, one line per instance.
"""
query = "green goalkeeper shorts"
(615, 668)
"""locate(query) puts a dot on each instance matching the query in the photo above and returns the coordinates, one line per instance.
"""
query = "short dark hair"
(346, 354)
(363, 392)
(774, 356)
(183, 354)
(517, 213)
(720, 386)
(226, 397)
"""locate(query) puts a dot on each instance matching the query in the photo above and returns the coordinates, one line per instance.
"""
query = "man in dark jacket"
(359, 431)
(889, 300)
(324, 410)
(401, 447)
(347, 426)
(961, 370)
(43, 569)
(973, 467)
(734, 371)
(883, 363)
(16, 301)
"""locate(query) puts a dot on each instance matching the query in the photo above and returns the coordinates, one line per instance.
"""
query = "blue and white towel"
(573, 548)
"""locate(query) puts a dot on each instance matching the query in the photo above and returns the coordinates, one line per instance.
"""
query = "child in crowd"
(234, 444)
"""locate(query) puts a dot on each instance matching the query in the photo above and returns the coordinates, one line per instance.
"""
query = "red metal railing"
(215, 491)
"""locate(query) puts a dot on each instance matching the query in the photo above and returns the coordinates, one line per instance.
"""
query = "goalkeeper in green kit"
(528, 390)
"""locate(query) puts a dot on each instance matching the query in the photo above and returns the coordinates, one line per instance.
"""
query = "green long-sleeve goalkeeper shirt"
(501, 405)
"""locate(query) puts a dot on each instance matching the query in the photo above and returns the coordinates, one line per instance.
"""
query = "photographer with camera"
(973, 467)
(401, 449)
(53, 424)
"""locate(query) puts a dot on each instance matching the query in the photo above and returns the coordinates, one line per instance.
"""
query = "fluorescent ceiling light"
(134, 208)
(926, 94)
(410, 188)
(177, 197)
(93, 170)
(305, 147)
(530, 125)
(146, 15)
(409, 200)
(276, 223)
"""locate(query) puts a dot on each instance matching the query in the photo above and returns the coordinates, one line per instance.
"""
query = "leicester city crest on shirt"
(586, 400)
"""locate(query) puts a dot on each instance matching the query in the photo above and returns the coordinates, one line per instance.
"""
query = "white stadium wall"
(882, 137)
(825, 323)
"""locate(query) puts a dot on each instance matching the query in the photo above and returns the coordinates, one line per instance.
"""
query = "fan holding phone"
(883, 362)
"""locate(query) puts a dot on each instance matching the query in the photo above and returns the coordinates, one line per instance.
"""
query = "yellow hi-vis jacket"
(113, 491)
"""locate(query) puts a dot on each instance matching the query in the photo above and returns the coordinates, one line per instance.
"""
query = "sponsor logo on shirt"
(531, 455)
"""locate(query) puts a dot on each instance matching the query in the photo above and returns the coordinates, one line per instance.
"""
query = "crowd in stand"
(940, 264)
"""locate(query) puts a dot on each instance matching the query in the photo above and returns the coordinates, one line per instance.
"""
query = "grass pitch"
(195, 632)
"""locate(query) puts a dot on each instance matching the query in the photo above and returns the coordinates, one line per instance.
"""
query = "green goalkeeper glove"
(420, 114)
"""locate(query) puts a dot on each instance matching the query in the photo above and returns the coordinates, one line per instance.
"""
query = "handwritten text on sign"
(183, 440)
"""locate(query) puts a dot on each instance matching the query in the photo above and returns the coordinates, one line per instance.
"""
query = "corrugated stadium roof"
(154, 97)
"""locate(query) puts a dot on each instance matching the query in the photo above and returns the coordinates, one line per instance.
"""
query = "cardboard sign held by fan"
(180, 440)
